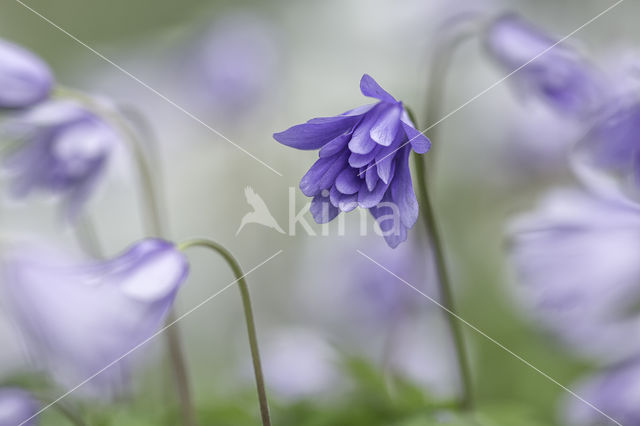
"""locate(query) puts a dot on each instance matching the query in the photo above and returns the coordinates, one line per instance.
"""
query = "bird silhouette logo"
(260, 214)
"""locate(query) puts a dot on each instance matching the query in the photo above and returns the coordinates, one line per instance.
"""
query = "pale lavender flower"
(16, 406)
(541, 65)
(236, 63)
(25, 79)
(577, 258)
(615, 391)
(62, 149)
(364, 162)
(78, 318)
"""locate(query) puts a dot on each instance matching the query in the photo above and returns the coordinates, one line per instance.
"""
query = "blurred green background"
(323, 49)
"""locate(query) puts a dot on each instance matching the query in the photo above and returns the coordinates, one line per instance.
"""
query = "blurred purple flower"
(577, 256)
(364, 161)
(615, 391)
(25, 79)
(382, 300)
(16, 406)
(62, 149)
(237, 62)
(78, 318)
(552, 70)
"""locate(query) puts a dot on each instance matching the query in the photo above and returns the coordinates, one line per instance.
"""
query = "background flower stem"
(444, 283)
(248, 314)
(155, 227)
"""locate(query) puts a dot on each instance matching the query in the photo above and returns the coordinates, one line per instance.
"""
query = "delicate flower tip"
(117, 305)
(25, 79)
(17, 407)
(363, 161)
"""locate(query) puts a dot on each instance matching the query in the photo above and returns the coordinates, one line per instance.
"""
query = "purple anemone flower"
(62, 148)
(542, 65)
(615, 391)
(364, 162)
(577, 258)
(25, 79)
(16, 406)
(78, 319)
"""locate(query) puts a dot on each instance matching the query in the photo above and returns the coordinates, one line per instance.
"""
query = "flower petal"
(371, 177)
(393, 230)
(323, 173)
(315, 133)
(369, 87)
(402, 190)
(419, 142)
(322, 210)
(348, 181)
(360, 160)
(385, 129)
(368, 199)
(335, 146)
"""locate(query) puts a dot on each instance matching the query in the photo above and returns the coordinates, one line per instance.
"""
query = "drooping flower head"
(25, 79)
(577, 258)
(544, 66)
(62, 149)
(78, 318)
(364, 162)
(16, 406)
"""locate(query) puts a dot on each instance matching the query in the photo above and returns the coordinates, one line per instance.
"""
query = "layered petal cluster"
(364, 162)
(557, 74)
(78, 320)
(25, 79)
(62, 148)
(577, 258)
(17, 407)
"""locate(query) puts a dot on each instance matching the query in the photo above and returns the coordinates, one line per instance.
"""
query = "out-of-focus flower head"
(364, 162)
(541, 65)
(25, 79)
(16, 406)
(61, 148)
(237, 62)
(539, 142)
(77, 319)
(615, 392)
(382, 299)
(576, 256)
(299, 363)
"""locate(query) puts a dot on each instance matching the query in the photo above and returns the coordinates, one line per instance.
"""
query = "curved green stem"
(156, 227)
(444, 282)
(460, 31)
(248, 314)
